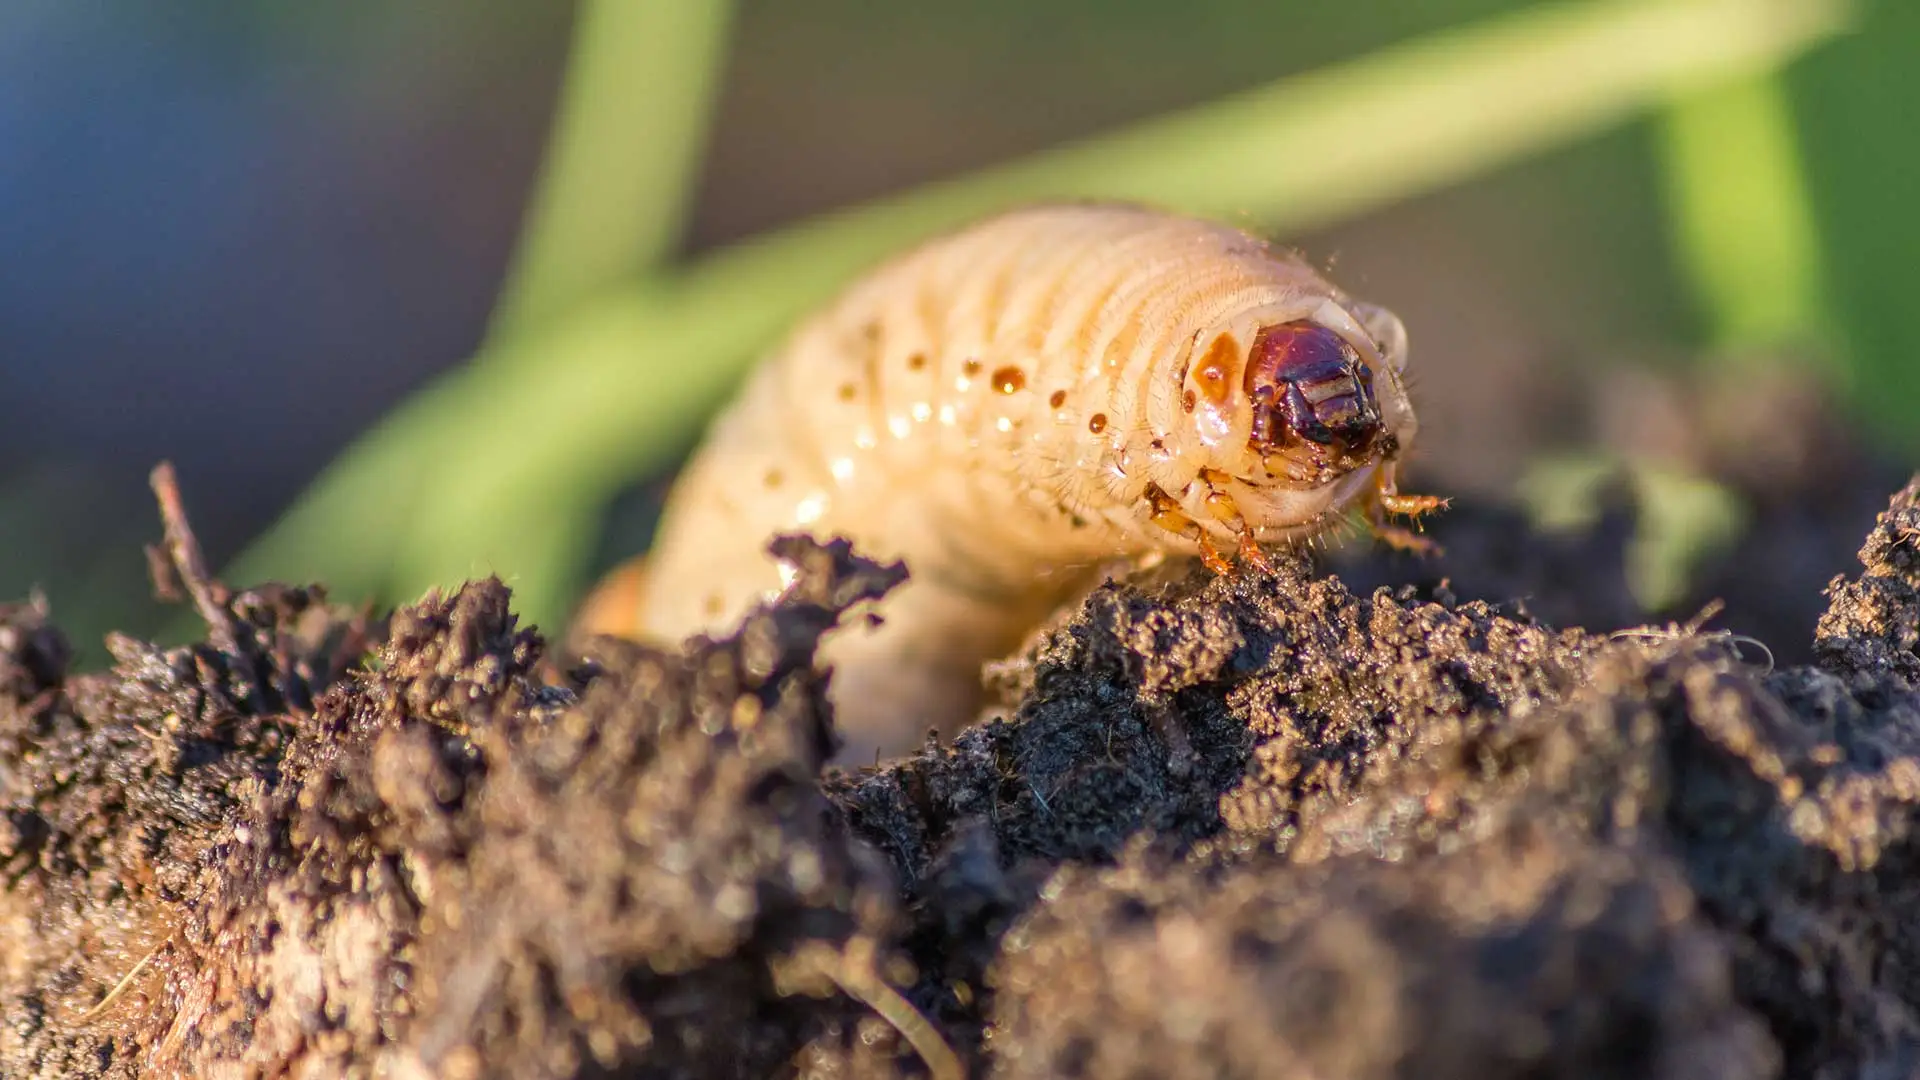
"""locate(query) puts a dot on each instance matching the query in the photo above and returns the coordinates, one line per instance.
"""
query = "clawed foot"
(1251, 552)
(1210, 556)
(1386, 499)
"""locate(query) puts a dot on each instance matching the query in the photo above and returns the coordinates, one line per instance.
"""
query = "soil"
(1402, 820)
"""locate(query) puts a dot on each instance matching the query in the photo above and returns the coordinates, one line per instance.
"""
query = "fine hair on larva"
(1017, 406)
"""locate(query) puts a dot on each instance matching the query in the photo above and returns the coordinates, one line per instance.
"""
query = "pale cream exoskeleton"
(1009, 410)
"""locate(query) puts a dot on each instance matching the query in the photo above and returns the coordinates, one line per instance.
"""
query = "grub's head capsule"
(1309, 391)
(1300, 401)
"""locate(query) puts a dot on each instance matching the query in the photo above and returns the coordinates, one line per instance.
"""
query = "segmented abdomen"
(993, 408)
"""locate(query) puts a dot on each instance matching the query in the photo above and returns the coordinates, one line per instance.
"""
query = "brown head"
(1313, 398)
(1297, 405)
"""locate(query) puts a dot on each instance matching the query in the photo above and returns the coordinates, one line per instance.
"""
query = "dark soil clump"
(1274, 824)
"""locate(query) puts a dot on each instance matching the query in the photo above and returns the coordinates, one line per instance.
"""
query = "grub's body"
(1007, 410)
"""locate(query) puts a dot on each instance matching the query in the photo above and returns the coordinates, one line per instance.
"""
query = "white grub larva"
(1011, 409)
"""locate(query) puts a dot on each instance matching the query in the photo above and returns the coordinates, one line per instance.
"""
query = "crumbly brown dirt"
(1274, 824)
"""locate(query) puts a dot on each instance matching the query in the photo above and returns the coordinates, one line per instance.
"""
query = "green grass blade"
(1856, 108)
(586, 409)
(623, 155)
(1741, 217)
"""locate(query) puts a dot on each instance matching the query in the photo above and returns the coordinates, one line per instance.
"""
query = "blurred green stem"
(1741, 217)
(623, 154)
(553, 423)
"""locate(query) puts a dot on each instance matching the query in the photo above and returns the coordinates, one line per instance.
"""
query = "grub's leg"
(1384, 499)
(1221, 505)
(1211, 556)
(1250, 552)
(1167, 514)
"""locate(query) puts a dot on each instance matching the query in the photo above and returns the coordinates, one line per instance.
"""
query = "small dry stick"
(856, 975)
(166, 583)
(208, 595)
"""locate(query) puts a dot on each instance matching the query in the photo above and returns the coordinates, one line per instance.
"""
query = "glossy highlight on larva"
(1013, 408)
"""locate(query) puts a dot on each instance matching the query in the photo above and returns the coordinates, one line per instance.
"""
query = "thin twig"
(166, 583)
(209, 596)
